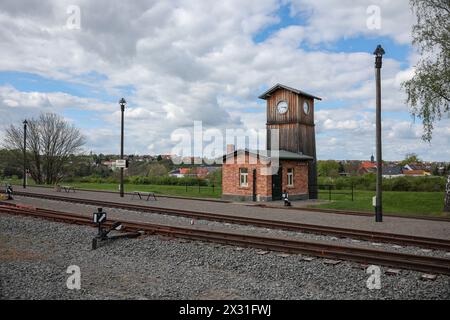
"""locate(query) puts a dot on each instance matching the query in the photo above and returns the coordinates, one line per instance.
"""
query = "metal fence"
(331, 190)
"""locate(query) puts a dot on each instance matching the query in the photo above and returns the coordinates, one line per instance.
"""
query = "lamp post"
(379, 52)
(122, 103)
(25, 122)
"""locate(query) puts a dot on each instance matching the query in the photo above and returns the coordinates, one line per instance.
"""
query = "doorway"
(277, 184)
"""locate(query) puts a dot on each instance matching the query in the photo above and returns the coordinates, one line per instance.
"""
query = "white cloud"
(196, 60)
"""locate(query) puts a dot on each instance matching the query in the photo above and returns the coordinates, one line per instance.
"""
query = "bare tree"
(50, 142)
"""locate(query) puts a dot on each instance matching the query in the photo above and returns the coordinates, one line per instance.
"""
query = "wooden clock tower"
(291, 111)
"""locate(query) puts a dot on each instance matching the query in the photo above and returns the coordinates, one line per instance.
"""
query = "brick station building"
(263, 175)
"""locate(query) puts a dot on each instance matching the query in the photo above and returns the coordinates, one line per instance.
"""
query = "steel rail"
(408, 240)
(319, 249)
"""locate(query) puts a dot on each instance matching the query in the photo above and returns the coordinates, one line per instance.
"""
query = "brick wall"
(300, 177)
(231, 178)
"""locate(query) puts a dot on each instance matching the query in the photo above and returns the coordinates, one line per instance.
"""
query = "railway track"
(406, 240)
(319, 249)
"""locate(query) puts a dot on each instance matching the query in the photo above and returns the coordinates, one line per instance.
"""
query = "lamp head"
(379, 51)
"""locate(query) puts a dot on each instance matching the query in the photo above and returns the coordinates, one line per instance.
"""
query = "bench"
(68, 188)
(140, 194)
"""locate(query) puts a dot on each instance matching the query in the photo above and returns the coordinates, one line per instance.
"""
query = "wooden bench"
(140, 194)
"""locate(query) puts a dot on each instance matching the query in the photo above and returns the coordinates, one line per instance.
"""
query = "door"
(276, 185)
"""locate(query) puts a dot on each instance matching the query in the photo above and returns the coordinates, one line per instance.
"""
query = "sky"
(180, 62)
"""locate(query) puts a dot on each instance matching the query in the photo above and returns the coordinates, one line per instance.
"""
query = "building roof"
(392, 171)
(269, 92)
(414, 166)
(416, 172)
(368, 164)
(268, 154)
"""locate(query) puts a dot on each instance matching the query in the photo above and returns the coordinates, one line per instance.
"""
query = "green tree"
(428, 92)
(328, 168)
(157, 169)
(410, 158)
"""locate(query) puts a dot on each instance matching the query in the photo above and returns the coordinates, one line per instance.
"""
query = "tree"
(428, 92)
(410, 158)
(328, 168)
(50, 143)
(157, 170)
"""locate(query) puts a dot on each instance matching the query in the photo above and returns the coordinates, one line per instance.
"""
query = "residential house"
(392, 172)
(416, 173)
(367, 167)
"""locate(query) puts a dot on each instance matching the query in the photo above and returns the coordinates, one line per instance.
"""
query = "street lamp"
(25, 122)
(122, 103)
(379, 52)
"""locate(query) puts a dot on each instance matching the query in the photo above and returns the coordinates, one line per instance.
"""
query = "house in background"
(416, 170)
(392, 172)
(416, 173)
(196, 172)
(367, 167)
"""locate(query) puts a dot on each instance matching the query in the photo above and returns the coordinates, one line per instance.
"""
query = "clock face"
(282, 107)
(306, 107)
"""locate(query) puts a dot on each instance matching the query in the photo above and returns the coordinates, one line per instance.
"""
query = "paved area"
(417, 227)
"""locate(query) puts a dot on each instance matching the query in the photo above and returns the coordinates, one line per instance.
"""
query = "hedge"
(157, 180)
(368, 182)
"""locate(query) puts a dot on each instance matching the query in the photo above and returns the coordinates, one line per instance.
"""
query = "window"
(290, 177)
(306, 107)
(243, 177)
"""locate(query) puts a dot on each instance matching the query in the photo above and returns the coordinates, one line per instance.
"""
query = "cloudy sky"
(177, 62)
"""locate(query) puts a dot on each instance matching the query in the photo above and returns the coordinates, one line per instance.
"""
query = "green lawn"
(191, 191)
(398, 202)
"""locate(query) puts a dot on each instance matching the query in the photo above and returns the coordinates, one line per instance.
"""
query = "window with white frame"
(243, 177)
(290, 177)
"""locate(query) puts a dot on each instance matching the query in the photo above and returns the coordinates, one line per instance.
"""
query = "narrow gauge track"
(407, 240)
(325, 250)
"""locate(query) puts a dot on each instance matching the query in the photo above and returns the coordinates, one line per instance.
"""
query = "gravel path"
(35, 254)
(119, 214)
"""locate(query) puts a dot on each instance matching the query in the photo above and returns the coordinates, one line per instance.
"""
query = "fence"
(202, 188)
(330, 189)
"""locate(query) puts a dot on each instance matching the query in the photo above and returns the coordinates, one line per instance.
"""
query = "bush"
(368, 182)
(401, 184)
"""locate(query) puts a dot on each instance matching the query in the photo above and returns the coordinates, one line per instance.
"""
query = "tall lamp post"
(379, 52)
(122, 103)
(25, 122)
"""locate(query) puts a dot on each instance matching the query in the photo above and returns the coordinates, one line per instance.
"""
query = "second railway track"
(406, 240)
(319, 249)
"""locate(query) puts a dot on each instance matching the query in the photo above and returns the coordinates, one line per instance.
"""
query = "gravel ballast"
(123, 215)
(35, 254)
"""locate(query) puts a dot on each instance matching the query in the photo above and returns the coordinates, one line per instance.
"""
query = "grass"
(191, 191)
(396, 202)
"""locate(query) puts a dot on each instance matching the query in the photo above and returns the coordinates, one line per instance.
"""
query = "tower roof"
(269, 92)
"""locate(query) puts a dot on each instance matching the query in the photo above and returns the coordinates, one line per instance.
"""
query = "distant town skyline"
(176, 62)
